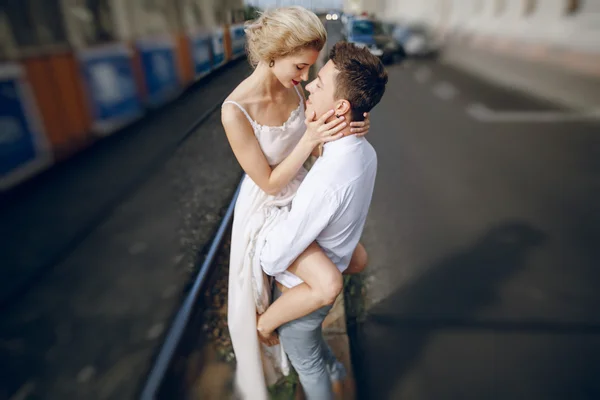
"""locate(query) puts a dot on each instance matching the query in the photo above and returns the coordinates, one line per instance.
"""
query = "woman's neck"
(267, 83)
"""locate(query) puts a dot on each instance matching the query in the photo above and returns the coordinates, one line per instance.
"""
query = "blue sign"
(201, 54)
(21, 152)
(218, 48)
(111, 86)
(160, 71)
(238, 40)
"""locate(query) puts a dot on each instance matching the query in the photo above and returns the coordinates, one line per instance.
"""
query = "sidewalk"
(507, 66)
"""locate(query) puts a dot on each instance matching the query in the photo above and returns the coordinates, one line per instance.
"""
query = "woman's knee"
(331, 287)
(317, 270)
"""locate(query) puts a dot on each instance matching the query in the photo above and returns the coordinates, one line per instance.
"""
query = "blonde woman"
(271, 137)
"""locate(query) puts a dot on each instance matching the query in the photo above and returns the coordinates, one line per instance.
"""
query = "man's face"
(322, 90)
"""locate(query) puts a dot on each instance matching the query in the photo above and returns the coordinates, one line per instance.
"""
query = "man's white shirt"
(330, 207)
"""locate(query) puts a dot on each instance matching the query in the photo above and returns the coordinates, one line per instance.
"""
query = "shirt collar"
(340, 145)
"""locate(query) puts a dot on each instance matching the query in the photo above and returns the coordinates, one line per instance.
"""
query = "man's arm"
(311, 212)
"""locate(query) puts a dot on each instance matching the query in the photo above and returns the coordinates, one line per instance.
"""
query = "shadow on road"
(449, 293)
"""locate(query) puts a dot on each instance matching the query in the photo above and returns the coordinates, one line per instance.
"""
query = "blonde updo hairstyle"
(283, 31)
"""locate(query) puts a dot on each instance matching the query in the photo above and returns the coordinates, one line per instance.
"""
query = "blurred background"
(87, 68)
(116, 179)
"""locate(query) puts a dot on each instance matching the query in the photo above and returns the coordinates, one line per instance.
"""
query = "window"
(251, 12)
(239, 16)
(91, 22)
(155, 17)
(530, 6)
(500, 7)
(190, 14)
(379, 28)
(7, 43)
(20, 22)
(49, 21)
(34, 23)
(445, 7)
(573, 7)
(103, 23)
(363, 27)
(220, 16)
(197, 14)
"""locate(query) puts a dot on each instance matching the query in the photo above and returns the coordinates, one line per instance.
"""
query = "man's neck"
(347, 119)
(344, 141)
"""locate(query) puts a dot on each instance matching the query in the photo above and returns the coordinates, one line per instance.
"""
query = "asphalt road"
(484, 244)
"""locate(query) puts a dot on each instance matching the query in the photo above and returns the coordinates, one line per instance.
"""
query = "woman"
(266, 127)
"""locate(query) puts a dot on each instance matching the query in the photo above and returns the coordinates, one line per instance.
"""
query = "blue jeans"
(309, 353)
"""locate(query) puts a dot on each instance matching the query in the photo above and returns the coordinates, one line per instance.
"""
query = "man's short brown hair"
(361, 78)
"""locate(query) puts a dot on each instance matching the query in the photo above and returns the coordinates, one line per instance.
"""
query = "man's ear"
(342, 107)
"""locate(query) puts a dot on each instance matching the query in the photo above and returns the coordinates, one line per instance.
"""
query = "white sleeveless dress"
(249, 288)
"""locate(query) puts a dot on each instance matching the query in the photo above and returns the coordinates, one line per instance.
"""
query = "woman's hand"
(267, 338)
(361, 128)
(318, 131)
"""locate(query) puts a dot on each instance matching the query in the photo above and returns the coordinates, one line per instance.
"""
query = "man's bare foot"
(265, 337)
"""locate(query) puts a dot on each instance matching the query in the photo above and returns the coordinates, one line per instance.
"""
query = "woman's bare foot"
(338, 389)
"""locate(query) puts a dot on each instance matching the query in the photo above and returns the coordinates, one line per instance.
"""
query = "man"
(330, 207)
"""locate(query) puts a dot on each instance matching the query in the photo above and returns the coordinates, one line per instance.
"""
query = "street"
(483, 241)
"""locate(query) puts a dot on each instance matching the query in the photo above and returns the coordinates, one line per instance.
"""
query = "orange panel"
(43, 86)
(184, 59)
(71, 93)
(138, 72)
(227, 42)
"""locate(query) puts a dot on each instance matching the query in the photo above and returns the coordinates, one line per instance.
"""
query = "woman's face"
(293, 69)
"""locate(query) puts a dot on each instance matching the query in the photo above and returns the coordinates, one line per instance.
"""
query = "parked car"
(417, 40)
(369, 33)
(345, 17)
(332, 16)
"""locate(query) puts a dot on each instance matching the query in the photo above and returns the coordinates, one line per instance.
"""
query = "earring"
(272, 63)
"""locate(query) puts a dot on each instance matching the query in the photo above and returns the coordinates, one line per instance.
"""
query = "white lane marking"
(138, 248)
(482, 113)
(422, 74)
(24, 392)
(86, 374)
(445, 91)
(155, 331)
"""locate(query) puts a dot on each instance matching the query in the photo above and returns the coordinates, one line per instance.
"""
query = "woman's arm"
(253, 161)
(361, 128)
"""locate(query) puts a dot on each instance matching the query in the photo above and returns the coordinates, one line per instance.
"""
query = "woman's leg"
(322, 284)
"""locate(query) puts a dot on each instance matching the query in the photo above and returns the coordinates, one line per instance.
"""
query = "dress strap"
(299, 94)
(252, 122)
